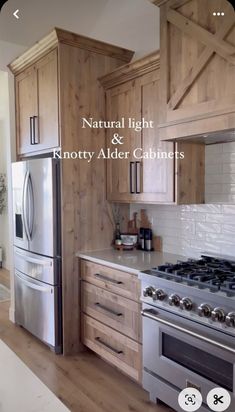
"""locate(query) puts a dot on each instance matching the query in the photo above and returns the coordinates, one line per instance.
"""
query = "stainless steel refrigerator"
(37, 251)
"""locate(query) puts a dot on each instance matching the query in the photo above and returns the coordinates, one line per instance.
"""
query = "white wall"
(192, 229)
(4, 159)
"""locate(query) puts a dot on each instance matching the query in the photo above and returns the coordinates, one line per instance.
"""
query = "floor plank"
(5, 278)
(84, 383)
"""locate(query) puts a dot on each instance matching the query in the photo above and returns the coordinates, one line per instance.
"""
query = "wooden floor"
(5, 277)
(84, 383)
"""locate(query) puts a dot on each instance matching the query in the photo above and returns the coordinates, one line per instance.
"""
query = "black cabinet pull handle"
(137, 177)
(31, 130)
(118, 352)
(105, 278)
(132, 165)
(111, 311)
(35, 130)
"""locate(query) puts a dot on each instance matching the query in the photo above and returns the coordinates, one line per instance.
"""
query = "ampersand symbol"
(117, 139)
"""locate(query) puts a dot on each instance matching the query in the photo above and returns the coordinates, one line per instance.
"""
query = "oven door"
(186, 354)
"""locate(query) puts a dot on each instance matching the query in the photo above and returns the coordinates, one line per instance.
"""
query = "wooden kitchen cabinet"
(37, 118)
(133, 92)
(111, 316)
(123, 102)
(197, 70)
(57, 81)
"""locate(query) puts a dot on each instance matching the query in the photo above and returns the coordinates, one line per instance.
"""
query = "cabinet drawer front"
(115, 311)
(122, 283)
(112, 346)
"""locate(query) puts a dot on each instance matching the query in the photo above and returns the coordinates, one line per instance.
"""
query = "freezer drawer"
(38, 267)
(37, 308)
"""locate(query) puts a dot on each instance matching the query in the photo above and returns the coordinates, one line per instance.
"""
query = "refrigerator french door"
(37, 252)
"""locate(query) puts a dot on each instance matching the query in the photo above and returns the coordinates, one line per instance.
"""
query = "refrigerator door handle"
(32, 285)
(25, 191)
(31, 205)
(23, 205)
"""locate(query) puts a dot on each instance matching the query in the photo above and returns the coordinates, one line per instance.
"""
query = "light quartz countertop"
(132, 261)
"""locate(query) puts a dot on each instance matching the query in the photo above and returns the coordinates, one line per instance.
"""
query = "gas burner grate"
(207, 272)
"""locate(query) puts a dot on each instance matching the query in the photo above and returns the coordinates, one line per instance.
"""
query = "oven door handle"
(151, 314)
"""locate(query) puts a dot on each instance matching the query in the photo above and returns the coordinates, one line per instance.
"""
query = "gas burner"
(213, 273)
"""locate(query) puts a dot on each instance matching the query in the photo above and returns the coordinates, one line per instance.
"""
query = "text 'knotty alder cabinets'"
(132, 92)
(57, 81)
(197, 71)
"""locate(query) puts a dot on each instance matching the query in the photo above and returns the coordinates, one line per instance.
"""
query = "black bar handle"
(118, 352)
(137, 177)
(132, 190)
(31, 130)
(111, 311)
(35, 130)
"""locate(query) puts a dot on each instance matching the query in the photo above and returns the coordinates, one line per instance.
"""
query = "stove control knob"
(186, 303)
(159, 294)
(230, 319)
(204, 310)
(174, 300)
(218, 315)
(148, 292)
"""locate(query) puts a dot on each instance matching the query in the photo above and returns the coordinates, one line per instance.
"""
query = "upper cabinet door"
(48, 101)
(157, 173)
(123, 104)
(26, 109)
(37, 106)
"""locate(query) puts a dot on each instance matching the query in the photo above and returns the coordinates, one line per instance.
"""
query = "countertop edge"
(100, 261)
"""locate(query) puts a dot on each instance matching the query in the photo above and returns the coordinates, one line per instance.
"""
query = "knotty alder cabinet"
(111, 318)
(56, 86)
(37, 122)
(197, 72)
(153, 171)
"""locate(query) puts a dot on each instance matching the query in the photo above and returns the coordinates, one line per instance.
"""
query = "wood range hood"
(197, 70)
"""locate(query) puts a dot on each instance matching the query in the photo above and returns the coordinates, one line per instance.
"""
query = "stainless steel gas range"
(189, 329)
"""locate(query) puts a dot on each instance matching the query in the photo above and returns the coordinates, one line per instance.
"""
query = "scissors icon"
(217, 399)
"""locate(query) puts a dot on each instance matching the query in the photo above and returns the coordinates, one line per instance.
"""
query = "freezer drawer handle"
(116, 282)
(118, 352)
(112, 312)
(151, 314)
(33, 286)
(33, 260)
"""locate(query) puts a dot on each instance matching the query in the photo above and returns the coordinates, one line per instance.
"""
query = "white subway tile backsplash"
(208, 227)
(190, 230)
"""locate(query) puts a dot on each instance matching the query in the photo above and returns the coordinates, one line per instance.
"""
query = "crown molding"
(131, 71)
(57, 36)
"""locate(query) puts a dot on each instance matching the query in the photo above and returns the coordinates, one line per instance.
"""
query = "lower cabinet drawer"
(115, 311)
(112, 346)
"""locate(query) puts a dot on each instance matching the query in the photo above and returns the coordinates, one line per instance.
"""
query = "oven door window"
(204, 364)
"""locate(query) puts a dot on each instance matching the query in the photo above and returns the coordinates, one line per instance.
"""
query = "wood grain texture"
(84, 382)
(138, 98)
(37, 95)
(112, 346)
(86, 220)
(51, 41)
(122, 283)
(190, 173)
(131, 71)
(113, 310)
(202, 47)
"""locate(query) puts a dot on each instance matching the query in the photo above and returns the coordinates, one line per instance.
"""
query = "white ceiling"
(133, 24)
